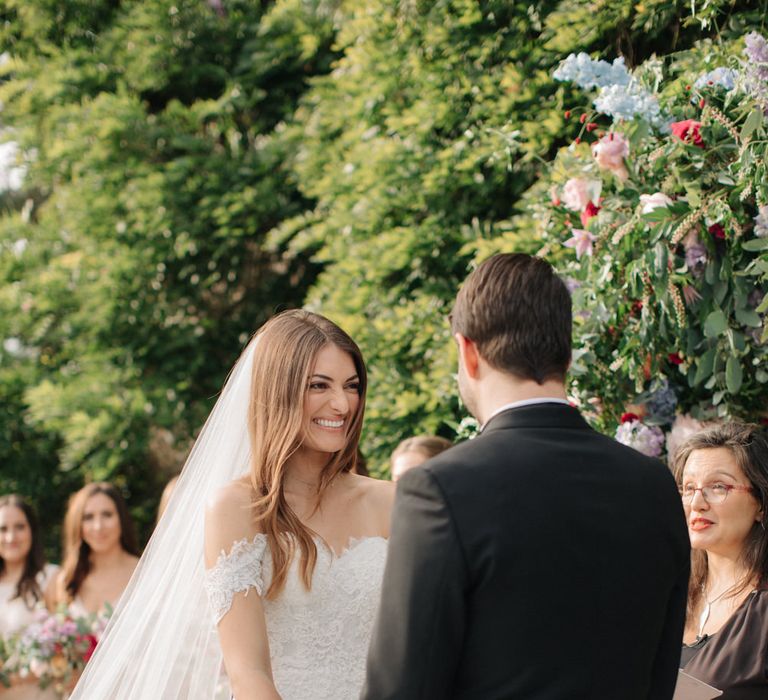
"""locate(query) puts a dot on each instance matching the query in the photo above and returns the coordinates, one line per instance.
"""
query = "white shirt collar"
(524, 402)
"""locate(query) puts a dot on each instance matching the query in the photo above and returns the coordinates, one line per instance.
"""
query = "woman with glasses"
(723, 478)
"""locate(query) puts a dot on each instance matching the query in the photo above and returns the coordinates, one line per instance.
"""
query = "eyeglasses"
(713, 494)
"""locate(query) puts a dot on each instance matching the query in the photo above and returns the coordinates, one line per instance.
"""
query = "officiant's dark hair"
(517, 311)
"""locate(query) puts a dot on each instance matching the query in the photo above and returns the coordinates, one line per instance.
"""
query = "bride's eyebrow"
(330, 379)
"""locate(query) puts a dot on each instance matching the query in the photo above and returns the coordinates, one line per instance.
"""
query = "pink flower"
(683, 427)
(578, 192)
(589, 211)
(688, 131)
(610, 152)
(581, 241)
(657, 200)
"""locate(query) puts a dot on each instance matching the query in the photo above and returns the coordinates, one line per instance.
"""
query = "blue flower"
(722, 77)
(588, 73)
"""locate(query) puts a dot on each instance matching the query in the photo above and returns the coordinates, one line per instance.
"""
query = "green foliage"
(675, 288)
(133, 264)
(418, 148)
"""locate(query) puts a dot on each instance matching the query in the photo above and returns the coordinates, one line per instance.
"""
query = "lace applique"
(238, 571)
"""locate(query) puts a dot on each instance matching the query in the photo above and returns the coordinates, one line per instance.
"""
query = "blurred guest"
(100, 550)
(723, 477)
(25, 580)
(165, 498)
(414, 451)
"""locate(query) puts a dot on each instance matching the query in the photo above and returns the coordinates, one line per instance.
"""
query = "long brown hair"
(77, 562)
(27, 588)
(288, 346)
(748, 443)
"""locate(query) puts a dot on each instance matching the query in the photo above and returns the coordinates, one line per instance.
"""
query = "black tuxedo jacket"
(539, 561)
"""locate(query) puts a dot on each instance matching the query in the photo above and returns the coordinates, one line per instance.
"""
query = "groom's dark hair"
(517, 311)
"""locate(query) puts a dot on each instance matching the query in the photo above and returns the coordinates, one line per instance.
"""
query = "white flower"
(657, 200)
(648, 439)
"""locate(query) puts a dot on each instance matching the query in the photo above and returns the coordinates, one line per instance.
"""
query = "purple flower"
(761, 222)
(696, 258)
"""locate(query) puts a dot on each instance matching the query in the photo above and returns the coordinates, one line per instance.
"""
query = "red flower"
(583, 118)
(688, 131)
(92, 642)
(567, 114)
(589, 211)
(637, 306)
(591, 126)
(717, 231)
(674, 358)
(627, 417)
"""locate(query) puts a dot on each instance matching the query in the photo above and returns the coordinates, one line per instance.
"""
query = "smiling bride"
(272, 524)
(303, 530)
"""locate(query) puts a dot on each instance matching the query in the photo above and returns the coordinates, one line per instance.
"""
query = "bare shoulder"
(379, 495)
(228, 518)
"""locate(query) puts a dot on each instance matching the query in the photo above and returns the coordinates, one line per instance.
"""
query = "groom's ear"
(470, 357)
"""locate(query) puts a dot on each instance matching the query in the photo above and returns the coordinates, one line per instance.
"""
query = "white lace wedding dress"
(318, 639)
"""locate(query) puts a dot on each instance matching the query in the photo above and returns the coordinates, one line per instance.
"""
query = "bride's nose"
(340, 402)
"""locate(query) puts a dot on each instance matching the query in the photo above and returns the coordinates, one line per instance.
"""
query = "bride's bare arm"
(242, 628)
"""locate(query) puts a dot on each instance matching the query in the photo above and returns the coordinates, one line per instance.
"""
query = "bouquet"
(55, 648)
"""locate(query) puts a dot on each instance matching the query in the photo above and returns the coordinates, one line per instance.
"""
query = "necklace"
(704, 617)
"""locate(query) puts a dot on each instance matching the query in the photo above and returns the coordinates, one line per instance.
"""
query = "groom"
(541, 560)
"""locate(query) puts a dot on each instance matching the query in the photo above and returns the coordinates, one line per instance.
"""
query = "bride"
(271, 523)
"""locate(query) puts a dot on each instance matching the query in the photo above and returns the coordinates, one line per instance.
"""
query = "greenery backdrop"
(192, 167)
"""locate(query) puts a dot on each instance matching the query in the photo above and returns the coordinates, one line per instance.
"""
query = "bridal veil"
(161, 642)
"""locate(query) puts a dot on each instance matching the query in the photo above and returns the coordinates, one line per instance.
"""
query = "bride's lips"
(698, 524)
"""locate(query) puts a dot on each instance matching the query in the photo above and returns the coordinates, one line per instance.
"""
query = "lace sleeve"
(238, 571)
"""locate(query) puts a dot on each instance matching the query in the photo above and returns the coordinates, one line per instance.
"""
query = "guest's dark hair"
(748, 443)
(28, 588)
(77, 563)
(517, 311)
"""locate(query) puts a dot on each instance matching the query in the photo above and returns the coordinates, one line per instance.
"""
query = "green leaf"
(749, 318)
(754, 120)
(704, 366)
(715, 324)
(763, 307)
(733, 374)
(756, 244)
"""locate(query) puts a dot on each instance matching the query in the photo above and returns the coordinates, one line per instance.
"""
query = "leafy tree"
(152, 134)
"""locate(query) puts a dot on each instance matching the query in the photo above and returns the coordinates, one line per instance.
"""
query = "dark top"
(735, 658)
(513, 561)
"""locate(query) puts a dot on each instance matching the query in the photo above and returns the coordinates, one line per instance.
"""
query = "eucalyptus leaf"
(753, 122)
(704, 366)
(749, 318)
(733, 374)
(716, 324)
(755, 244)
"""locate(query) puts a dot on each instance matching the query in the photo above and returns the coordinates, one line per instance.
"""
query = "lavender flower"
(761, 222)
(756, 69)
(648, 439)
